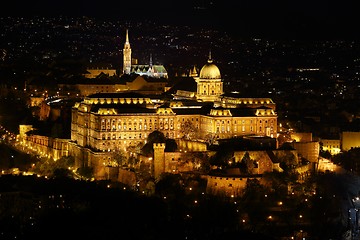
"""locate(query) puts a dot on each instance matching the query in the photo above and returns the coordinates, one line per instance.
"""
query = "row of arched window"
(123, 136)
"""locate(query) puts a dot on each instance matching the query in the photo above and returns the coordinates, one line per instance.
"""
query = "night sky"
(284, 18)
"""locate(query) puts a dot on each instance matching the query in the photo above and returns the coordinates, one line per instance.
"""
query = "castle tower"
(159, 159)
(127, 55)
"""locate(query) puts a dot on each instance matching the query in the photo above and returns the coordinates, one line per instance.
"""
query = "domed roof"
(210, 70)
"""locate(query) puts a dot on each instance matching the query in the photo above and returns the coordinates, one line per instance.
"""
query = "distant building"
(150, 70)
(301, 136)
(132, 82)
(331, 145)
(308, 150)
(130, 66)
(35, 101)
(350, 140)
(94, 72)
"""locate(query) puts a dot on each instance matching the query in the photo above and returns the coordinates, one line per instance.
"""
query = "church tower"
(127, 55)
(209, 84)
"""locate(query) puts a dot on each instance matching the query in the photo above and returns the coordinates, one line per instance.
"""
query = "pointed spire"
(151, 60)
(193, 72)
(210, 60)
(127, 55)
(127, 36)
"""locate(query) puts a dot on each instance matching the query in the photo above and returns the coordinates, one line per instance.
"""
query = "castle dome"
(210, 70)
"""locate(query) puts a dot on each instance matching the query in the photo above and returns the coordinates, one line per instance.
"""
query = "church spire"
(127, 36)
(127, 55)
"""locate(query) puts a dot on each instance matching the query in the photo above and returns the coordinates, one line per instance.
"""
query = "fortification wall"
(291, 155)
(127, 177)
(85, 157)
(261, 158)
(44, 146)
(187, 145)
(226, 186)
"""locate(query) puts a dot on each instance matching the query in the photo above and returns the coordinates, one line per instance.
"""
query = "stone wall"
(308, 150)
(85, 157)
(44, 146)
(187, 145)
(261, 158)
(286, 155)
(127, 177)
(226, 186)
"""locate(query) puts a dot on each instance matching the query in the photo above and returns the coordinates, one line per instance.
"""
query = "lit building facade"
(349, 140)
(331, 145)
(105, 122)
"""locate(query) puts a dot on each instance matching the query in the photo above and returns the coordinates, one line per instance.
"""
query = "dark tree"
(158, 137)
(247, 165)
(188, 130)
(85, 172)
(169, 185)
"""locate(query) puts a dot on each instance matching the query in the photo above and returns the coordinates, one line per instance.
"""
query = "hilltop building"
(106, 122)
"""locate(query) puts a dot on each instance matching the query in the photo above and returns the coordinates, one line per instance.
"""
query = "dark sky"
(286, 18)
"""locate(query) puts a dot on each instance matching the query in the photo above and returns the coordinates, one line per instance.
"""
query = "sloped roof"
(184, 84)
(242, 112)
(143, 68)
(117, 95)
(124, 108)
(204, 110)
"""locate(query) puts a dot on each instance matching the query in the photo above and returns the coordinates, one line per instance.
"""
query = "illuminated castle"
(105, 122)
